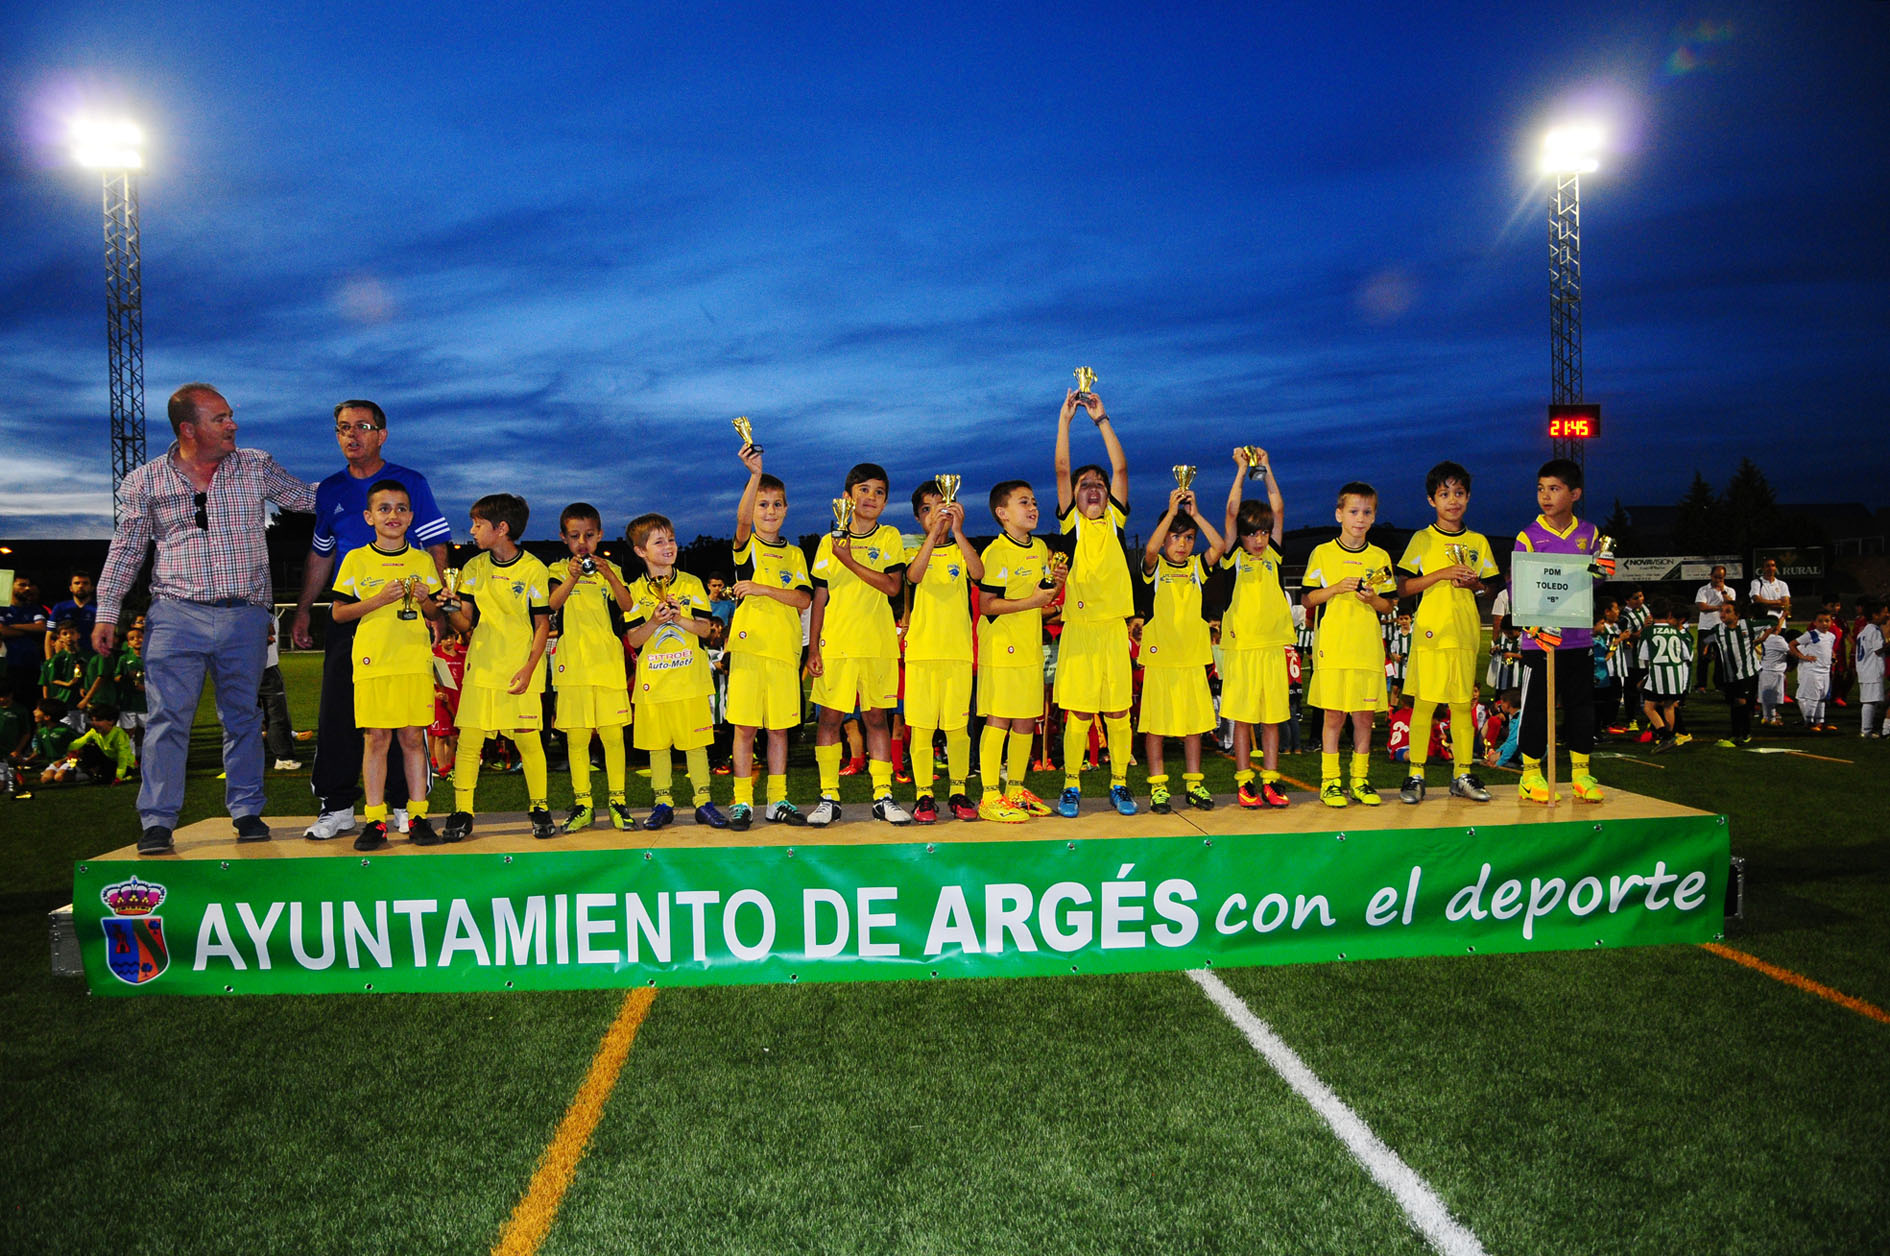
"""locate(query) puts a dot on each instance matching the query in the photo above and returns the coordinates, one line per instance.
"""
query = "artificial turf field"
(1641, 1100)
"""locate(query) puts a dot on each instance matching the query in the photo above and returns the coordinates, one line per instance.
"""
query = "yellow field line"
(1791, 978)
(531, 1220)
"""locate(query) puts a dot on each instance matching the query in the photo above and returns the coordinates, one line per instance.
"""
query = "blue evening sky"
(564, 245)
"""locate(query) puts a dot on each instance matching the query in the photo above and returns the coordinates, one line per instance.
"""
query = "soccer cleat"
(288, 765)
(1158, 800)
(620, 816)
(251, 829)
(661, 814)
(1199, 798)
(581, 818)
(1586, 788)
(373, 836)
(1026, 801)
(1468, 786)
(925, 810)
(1681, 739)
(330, 824)
(1362, 791)
(891, 812)
(1122, 800)
(710, 815)
(902, 777)
(1069, 802)
(853, 767)
(1663, 745)
(459, 827)
(785, 812)
(1533, 787)
(740, 816)
(1412, 791)
(1271, 795)
(397, 820)
(825, 812)
(1249, 797)
(155, 840)
(543, 827)
(1647, 735)
(962, 808)
(420, 832)
(1617, 730)
(1332, 793)
(1726, 743)
(1002, 810)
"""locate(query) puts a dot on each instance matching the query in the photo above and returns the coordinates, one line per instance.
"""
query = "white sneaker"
(288, 765)
(891, 812)
(330, 824)
(825, 812)
(397, 819)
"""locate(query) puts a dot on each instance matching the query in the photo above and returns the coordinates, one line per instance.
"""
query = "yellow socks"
(1017, 765)
(991, 759)
(1421, 712)
(1243, 777)
(578, 746)
(376, 812)
(613, 761)
(1328, 766)
(957, 757)
(662, 777)
(698, 763)
(744, 790)
(1121, 740)
(924, 767)
(472, 745)
(827, 759)
(777, 788)
(880, 771)
(1075, 746)
(1463, 737)
(416, 808)
(531, 754)
(1360, 761)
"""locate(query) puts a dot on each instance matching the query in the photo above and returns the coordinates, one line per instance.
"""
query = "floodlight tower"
(1568, 152)
(115, 149)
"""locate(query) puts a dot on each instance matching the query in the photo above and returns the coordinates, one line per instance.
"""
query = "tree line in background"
(1746, 516)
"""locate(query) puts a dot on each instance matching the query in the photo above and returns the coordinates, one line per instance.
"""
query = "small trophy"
(1059, 564)
(1085, 383)
(1373, 578)
(449, 580)
(1184, 479)
(406, 599)
(746, 431)
(1454, 551)
(1255, 467)
(842, 516)
(1604, 561)
(588, 565)
(948, 488)
(659, 586)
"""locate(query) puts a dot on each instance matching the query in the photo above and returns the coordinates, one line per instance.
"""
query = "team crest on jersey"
(952, 571)
(872, 552)
(135, 949)
(518, 590)
(786, 579)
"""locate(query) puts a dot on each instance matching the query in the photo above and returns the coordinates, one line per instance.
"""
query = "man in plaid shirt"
(202, 505)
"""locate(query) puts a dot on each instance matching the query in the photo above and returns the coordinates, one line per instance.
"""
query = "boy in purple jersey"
(1557, 531)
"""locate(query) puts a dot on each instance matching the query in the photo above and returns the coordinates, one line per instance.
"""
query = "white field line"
(1426, 1212)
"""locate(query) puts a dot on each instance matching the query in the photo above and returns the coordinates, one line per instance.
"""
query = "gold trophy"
(746, 431)
(449, 584)
(1184, 479)
(1373, 578)
(948, 488)
(659, 586)
(1603, 563)
(1455, 552)
(406, 598)
(1059, 565)
(1085, 383)
(842, 516)
(1255, 468)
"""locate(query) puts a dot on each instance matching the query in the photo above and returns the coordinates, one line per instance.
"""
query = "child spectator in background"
(1606, 651)
(1397, 657)
(130, 677)
(16, 733)
(1840, 683)
(1870, 654)
(102, 755)
(1739, 642)
(273, 696)
(1775, 656)
(1814, 651)
(449, 673)
(1633, 623)
(100, 683)
(51, 735)
(62, 675)
(1667, 654)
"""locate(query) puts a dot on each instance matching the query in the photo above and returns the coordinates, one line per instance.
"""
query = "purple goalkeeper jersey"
(1580, 538)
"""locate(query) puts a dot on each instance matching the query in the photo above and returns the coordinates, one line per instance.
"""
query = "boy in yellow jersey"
(1256, 632)
(1351, 578)
(854, 651)
(1176, 650)
(589, 596)
(938, 651)
(669, 617)
(1445, 566)
(1093, 675)
(1019, 580)
(771, 588)
(388, 586)
(503, 594)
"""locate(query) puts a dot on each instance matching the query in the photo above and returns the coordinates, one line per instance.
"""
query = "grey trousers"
(184, 642)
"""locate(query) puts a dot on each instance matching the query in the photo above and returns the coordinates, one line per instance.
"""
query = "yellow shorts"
(763, 692)
(1254, 686)
(1176, 701)
(497, 711)
(938, 693)
(1347, 689)
(1010, 693)
(1093, 666)
(846, 683)
(679, 724)
(593, 706)
(1441, 675)
(393, 701)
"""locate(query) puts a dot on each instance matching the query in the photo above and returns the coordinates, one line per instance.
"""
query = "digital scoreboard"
(1574, 421)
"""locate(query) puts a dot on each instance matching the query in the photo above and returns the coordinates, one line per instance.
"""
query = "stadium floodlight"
(115, 148)
(1571, 150)
(1568, 153)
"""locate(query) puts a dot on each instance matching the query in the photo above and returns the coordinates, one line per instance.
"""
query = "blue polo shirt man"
(341, 526)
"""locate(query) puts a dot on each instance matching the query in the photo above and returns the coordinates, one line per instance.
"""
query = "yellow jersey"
(1013, 572)
(1175, 634)
(509, 598)
(1349, 634)
(1446, 616)
(590, 651)
(384, 643)
(762, 625)
(1098, 586)
(1258, 615)
(941, 607)
(671, 664)
(858, 623)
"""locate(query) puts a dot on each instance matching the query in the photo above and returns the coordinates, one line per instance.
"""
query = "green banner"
(713, 916)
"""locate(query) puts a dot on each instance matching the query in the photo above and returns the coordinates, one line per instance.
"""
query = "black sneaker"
(251, 829)
(542, 825)
(155, 840)
(373, 836)
(420, 832)
(459, 827)
(740, 816)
